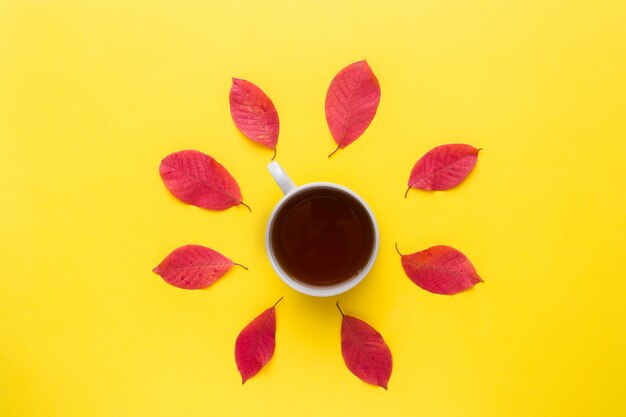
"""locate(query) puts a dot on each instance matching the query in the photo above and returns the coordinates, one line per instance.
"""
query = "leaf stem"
(244, 267)
(276, 303)
(274, 154)
(333, 152)
(246, 206)
(398, 250)
(342, 315)
(407, 191)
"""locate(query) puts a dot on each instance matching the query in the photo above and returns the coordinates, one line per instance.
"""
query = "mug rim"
(313, 290)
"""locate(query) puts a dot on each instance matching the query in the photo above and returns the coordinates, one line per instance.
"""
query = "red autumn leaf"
(192, 267)
(254, 113)
(351, 103)
(198, 179)
(440, 270)
(255, 344)
(364, 351)
(443, 167)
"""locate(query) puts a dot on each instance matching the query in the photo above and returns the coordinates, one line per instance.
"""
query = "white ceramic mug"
(291, 190)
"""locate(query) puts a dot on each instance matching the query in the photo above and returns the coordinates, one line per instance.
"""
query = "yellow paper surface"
(93, 94)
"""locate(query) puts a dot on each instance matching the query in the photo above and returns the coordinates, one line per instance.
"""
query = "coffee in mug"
(322, 238)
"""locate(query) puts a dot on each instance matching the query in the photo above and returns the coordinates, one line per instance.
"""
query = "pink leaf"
(193, 267)
(351, 103)
(198, 179)
(440, 270)
(254, 113)
(443, 167)
(364, 351)
(255, 344)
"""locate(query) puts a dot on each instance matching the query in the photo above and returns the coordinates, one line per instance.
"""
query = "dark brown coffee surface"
(322, 236)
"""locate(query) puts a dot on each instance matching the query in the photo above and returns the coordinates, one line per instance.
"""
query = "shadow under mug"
(290, 190)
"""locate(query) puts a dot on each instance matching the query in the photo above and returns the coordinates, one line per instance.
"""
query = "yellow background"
(93, 94)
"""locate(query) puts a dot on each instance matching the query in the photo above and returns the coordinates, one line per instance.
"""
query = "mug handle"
(282, 179)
